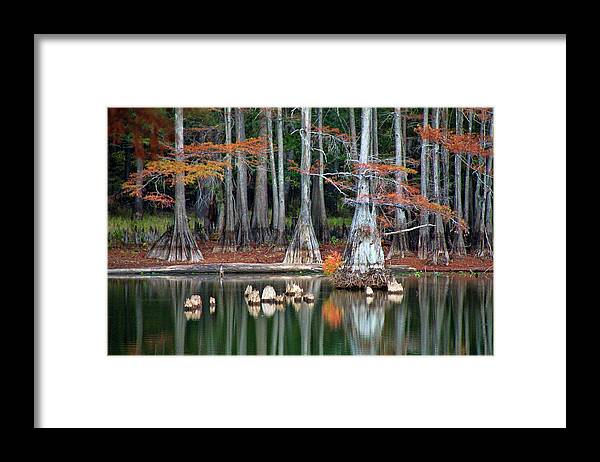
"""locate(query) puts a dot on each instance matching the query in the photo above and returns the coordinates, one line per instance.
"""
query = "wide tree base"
(439, 258)
(176, 246)
(227, 243)
(279, 241)
(398, 247)
(261, 235)
(304, 247)
(374, 278)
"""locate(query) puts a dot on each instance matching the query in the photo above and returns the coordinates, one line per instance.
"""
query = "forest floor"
(134, 256)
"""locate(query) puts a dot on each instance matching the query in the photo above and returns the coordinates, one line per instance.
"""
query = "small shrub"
(332, 262)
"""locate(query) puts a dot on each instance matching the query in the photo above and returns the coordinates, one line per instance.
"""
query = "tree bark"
(484, 248)
(373, 183)
(484, 242)
(445, 162)
(219, 196)
(304, 247)
(260, 214)
(423, 244)
(204, 197)
(227, 241)
(319, 215)
(177, 243)
(353, 141)
(468, 209)
(281, 219)
(490, 194)
(439, 248)
(479, 208)
(459, 241)
(399, 244)
(243, 236)
(275, 193)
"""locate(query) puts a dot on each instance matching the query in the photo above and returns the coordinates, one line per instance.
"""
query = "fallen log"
(232, 268)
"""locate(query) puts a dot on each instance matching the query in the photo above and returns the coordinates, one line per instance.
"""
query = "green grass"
(147, 223)
(333, 222)
(339, 221)
(147, 229)
(120, 224)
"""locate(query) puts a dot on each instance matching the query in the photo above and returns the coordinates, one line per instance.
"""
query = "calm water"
(436, 315)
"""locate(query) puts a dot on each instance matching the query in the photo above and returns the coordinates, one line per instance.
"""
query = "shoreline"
(233, 268)
(131, 260)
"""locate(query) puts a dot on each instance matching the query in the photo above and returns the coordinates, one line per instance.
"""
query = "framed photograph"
(324, 222)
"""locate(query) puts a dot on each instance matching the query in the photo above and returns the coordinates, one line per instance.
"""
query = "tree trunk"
(479, 209)
(445, 162)
(177, 243)
(319, 215)
(275, 207)
(260, 214)
(439, 248)
(227, 241)
(484, 247)
(353, 141)
(204, 197)
(304, 248)
(281, 219)
(468, 209)
(489, 203)
(243, 236)
(423, 245)
(459, 241)
(219, 195)
(373, 182)
(399, 244)
(138, 204)
(363, 255)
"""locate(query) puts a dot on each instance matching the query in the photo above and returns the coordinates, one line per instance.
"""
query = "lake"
(443, 314)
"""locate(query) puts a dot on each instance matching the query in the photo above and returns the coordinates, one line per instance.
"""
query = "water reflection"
(436, 315)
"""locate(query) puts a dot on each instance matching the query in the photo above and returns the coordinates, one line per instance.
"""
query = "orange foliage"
(428, 133)
(167, 170)
(162, 200)
(411, 198)
(468, 143)
(251, 146)
(332, 131)
(331, 263)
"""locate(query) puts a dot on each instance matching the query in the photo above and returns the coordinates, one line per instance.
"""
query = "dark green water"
(436, 315)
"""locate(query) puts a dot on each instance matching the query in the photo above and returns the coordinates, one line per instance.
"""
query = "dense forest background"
(428, 178)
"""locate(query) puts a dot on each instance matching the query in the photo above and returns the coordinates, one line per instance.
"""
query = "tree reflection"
(440, 291)
(424, 306)
(458, 309)
(362, 319)
(139, 318)
(180, 288)
(436, 315)
(402, 322)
